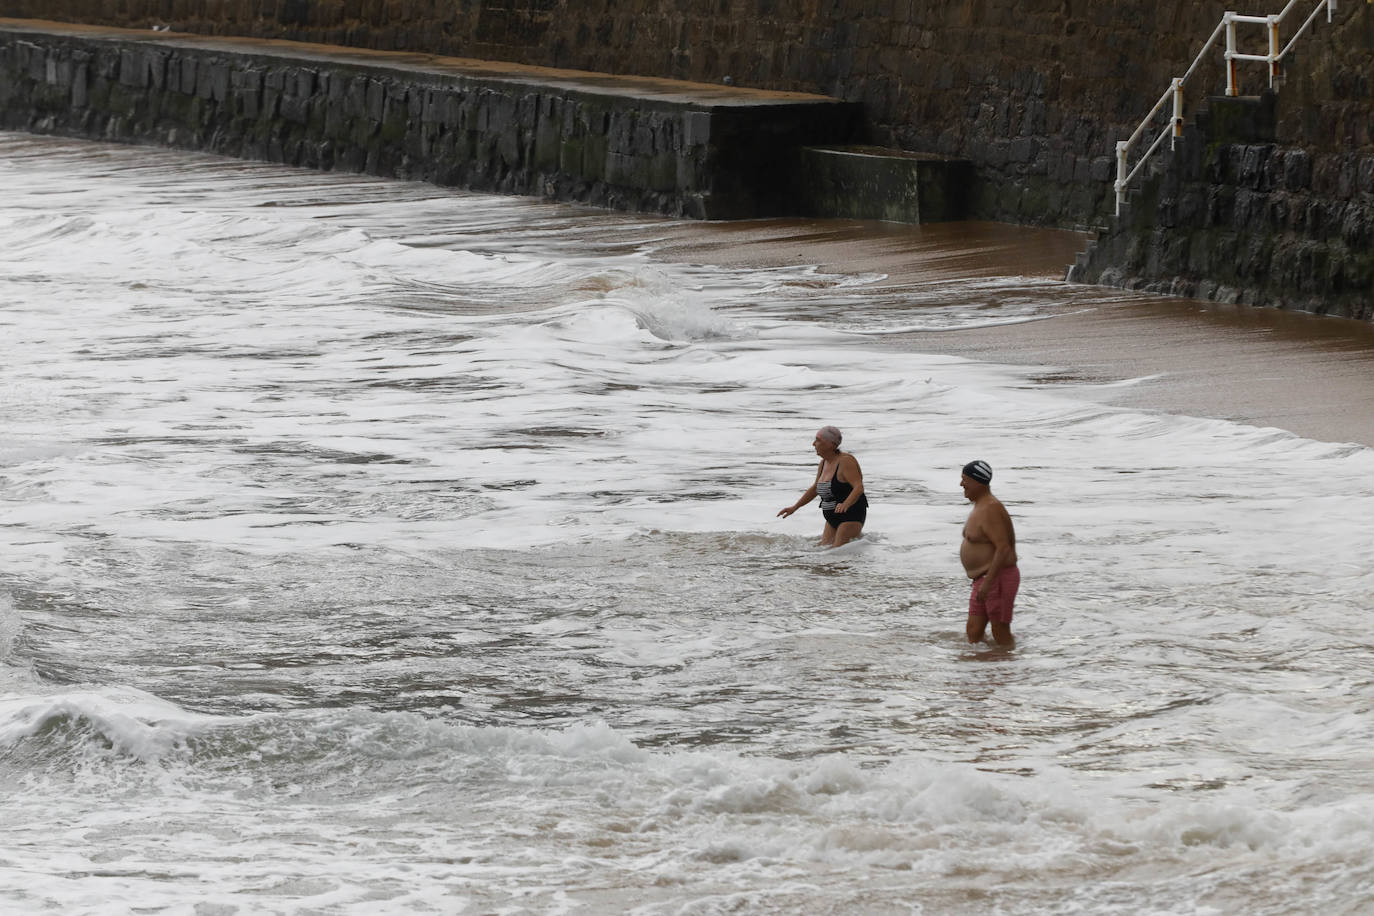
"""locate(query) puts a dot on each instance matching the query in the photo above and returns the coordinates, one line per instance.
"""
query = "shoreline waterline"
(1304, 373)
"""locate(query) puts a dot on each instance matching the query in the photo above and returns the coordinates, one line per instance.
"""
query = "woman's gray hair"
(830, 434)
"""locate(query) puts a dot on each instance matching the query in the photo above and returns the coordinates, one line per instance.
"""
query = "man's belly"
(976, 558)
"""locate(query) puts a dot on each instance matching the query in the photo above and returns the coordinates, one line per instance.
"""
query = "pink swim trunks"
(1001, 594)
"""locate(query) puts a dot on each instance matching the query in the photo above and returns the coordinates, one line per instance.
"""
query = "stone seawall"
(1033, 93)
(627, 143)
(1269, 199)
(1245, 219)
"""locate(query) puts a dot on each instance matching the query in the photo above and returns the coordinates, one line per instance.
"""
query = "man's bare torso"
(977, 549)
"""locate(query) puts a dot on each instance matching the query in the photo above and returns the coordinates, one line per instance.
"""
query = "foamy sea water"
(369, 547)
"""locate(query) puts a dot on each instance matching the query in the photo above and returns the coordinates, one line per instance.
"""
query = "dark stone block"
(374, 100)
(80, 97)
(1242, 119)
(131, 70)
(187, 68)
(1278, 214)
(1346, 177)
(871, 183)
(1366, 175)
(353, 96)
(1355, 226)
(1252, 166)
(1297, 170)
(696, 128)
(294, 109)
(248, 92)
(29, 60)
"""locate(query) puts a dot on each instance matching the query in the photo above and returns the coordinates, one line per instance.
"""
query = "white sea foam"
(130, 721)
(592, 803)
(393, 550)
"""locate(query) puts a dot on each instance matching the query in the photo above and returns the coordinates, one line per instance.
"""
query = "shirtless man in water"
(988, 553)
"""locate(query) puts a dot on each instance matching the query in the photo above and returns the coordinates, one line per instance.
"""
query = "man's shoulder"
(989, 506)
(999, 512)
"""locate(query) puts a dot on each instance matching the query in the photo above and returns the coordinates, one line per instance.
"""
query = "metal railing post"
(1122, 149)
(1178, 111)
(1273, 50)
(1230, 19)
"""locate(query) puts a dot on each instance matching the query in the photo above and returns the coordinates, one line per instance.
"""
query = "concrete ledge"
(1240, 119)
(868, 182)
(634, 143)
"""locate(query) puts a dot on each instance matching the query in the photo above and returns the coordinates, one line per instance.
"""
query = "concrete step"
(870, 182)
(1239, 119)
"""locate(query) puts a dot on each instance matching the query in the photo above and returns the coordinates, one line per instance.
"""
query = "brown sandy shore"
(1310, 375)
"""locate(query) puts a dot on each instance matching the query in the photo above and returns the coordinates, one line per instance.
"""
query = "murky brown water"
(1308, 374)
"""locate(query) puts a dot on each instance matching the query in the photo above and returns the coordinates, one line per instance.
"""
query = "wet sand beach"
(1304, 373)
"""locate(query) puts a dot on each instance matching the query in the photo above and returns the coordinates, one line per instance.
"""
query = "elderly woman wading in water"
(840, 484)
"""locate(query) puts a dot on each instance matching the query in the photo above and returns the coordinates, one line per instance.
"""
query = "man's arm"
(997, 529)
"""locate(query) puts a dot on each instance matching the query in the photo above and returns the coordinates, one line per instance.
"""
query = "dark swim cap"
(979, 471)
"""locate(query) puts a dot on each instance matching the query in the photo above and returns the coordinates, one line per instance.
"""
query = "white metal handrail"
(1174, 129)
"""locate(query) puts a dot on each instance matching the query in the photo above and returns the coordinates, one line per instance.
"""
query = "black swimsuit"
(835, 491)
